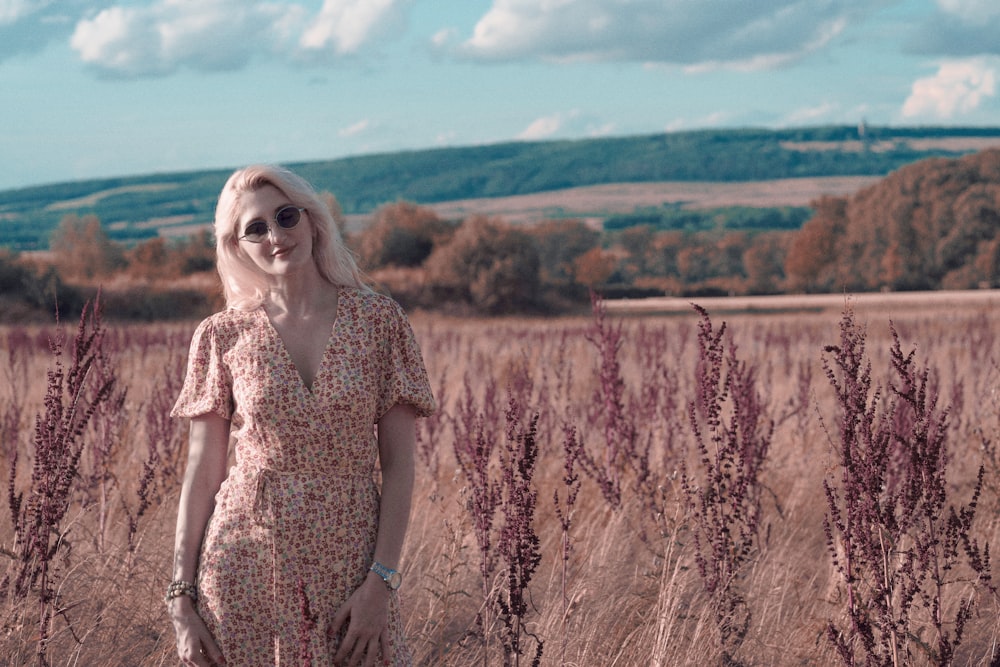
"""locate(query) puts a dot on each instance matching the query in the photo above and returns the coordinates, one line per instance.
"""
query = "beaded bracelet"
(178, 588)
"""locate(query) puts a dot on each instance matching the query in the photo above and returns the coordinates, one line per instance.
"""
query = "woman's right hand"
(195, 645)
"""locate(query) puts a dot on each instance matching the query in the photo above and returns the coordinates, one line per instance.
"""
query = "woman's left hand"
(366, 614)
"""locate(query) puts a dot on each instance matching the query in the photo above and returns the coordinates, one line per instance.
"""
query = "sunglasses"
(285, 217)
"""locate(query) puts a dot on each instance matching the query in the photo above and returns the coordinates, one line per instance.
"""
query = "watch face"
(394, 580)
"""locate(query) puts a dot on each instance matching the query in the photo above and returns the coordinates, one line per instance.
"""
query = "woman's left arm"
(396, 442)
(366, 611)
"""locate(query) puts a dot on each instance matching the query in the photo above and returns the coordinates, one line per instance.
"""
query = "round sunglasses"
(285, 217)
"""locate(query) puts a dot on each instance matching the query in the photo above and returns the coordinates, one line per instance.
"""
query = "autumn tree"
(594, 267)
(148, 260)
(811, 264)
(487, 264)
(665, 248)
(83, 250)
(560, 243)
(196, 253)
(764, 262)
(401, 234)
(640, 253)
(928, 225)
(336, 210)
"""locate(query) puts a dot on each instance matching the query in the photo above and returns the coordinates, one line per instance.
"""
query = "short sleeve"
(208, 384)
(405, 379)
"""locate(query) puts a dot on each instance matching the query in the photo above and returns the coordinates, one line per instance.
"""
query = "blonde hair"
(244, 286)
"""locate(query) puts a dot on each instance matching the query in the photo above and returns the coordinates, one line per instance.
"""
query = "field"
(645, 486)
(596, 202)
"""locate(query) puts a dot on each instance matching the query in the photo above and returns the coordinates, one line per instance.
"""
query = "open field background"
(521, 181)
(628, 590)
(596, 202)
(885, 304)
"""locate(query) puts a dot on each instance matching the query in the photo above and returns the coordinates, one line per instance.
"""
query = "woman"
(292, 555)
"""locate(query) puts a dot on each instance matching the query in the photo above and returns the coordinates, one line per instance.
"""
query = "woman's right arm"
(208, 459)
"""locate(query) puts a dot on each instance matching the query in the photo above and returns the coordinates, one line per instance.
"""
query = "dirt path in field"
(598, 201)
(883, 303)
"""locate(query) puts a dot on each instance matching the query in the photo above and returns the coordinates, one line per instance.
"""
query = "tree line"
(132, 207)
(934, 224)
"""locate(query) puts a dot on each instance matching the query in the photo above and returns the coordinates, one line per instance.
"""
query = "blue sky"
(93, 88)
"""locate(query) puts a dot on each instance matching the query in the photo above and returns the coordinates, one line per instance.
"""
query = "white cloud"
(15, 10)
(446, 138)
(159, 37)
(543, 127)
(810, 114)
(676, 125)
(27, 26)
(343, 26)
(201, 34)
(354, 129)
(603, 130)
(971, 11)
(958, 87)
(751, 35)
(442, 37)
(566, 123)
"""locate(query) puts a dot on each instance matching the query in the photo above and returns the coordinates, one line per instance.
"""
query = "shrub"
(488, 265)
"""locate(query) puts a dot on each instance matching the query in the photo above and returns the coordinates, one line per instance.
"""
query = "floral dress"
(294, 526)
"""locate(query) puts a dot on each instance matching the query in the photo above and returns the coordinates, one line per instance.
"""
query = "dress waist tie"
(263, 507)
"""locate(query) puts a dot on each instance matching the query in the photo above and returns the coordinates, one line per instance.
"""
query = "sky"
(92, 89)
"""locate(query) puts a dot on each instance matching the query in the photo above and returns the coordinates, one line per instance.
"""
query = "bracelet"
(178, 588)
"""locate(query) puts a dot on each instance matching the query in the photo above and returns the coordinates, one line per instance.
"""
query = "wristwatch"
(391, 577)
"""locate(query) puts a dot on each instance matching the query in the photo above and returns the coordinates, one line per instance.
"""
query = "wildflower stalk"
(722, 492)
(564, 510)
(519, 546)
(896, 541)
(72, 396)
(609, 400)
(474, 452)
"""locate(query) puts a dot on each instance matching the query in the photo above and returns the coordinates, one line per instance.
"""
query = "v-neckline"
(331, 334)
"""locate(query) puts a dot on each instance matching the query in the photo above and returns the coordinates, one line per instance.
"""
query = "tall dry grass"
(585, 431)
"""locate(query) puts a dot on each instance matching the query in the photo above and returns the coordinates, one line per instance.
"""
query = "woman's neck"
(301, 301)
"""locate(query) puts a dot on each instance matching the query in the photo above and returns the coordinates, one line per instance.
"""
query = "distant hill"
(138, 207)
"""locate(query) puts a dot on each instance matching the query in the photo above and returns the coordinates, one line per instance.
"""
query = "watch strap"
(391, 577)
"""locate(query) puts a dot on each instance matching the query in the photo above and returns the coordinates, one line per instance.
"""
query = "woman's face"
(281, 251)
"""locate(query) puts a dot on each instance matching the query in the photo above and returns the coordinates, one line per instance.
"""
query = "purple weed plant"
(722, 493)
(609, 404)
(518, 545)
(166, 437)
(896, 541)
(73, 394)
(628, 422)
(106, 429)
(473, 445)
(564, 510)
(430, 430)
(162, 468)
